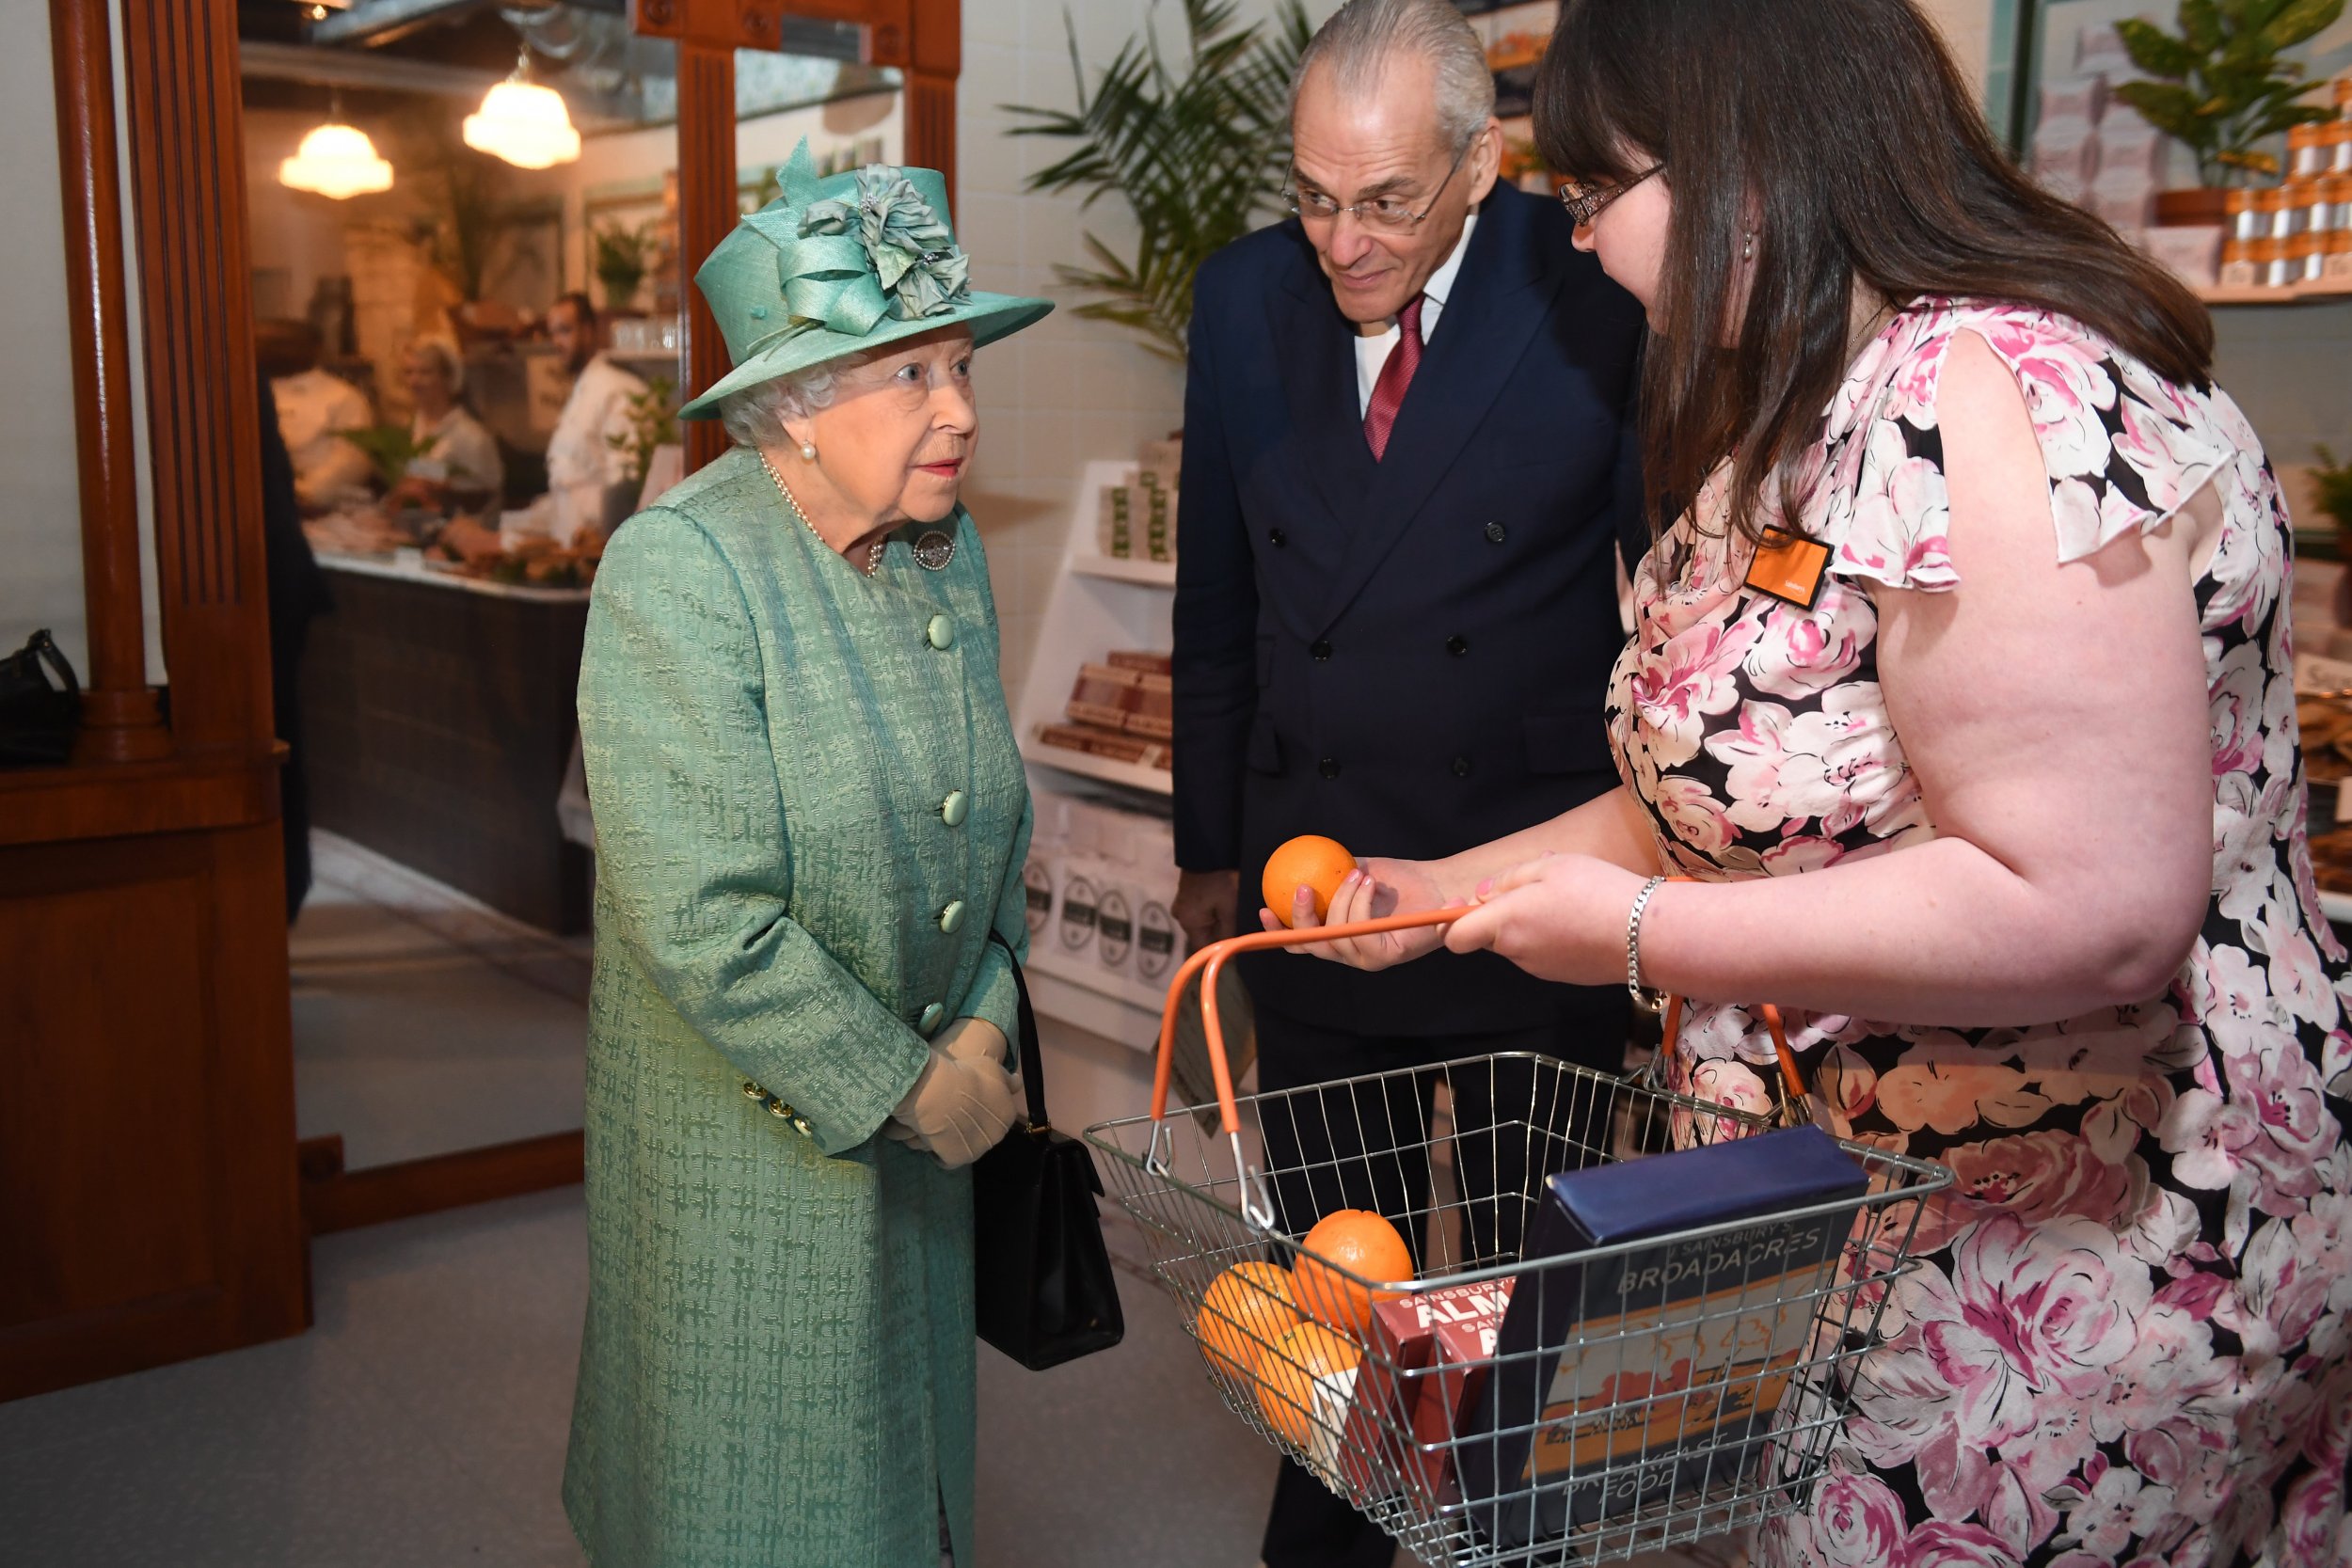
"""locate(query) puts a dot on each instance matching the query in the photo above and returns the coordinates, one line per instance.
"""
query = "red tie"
(1397, 373)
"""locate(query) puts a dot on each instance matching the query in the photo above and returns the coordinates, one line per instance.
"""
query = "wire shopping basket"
(1641, 1396)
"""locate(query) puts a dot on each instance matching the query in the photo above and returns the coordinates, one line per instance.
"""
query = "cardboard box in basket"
(1652, 1375)
(1399, 1378)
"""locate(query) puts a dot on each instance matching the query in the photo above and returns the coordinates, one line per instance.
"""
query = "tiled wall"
(1067, 390)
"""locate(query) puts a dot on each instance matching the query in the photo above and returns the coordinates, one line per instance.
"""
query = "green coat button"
(953, 809)
(931, 1014)
(951, 918)
(942, 631)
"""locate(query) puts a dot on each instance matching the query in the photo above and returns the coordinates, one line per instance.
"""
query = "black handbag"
(37, 720)
(1043, 1290)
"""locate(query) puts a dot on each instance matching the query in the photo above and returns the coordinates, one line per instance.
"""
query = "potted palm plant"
(2219, 87)
(622, 251)
(1197, 155)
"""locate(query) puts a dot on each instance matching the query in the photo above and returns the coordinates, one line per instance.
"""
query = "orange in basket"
(1308, 861)
(1362, 1242)
(1287, 1373)
(1246, 1310)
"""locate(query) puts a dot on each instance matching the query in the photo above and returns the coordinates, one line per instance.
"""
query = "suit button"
(951, 918)
(952, 810)
(1329, 768)
(1495, 532)
(1321, 648)
(941, 632)
(1461, 767)
(1274, 537)
(931, 1014)
(1456, 645)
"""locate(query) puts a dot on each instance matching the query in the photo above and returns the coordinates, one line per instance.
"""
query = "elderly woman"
(455, 452)
(810, 825)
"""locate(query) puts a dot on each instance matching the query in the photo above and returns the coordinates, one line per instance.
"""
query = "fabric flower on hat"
(914, 253)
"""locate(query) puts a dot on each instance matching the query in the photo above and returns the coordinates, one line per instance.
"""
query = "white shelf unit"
(1098, 603)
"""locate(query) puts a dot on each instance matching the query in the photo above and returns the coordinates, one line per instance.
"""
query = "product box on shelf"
(1108, 877)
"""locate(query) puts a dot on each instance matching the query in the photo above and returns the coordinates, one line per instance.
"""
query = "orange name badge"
(1788, 568)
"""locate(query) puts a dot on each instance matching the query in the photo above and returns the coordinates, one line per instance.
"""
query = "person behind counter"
(1994, 789)
(458, 458)
(313, 406)
(810, 820)
(583, 462)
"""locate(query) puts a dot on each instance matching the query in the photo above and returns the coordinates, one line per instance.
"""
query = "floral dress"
(2126, 1339)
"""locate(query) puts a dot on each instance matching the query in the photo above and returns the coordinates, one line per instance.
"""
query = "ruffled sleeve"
(2122, 448)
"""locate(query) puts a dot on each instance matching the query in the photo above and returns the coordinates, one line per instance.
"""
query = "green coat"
(778, 1363)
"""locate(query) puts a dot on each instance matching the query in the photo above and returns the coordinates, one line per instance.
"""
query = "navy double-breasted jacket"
(1409, 655)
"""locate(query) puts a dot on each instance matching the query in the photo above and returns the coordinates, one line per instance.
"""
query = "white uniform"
(581, 459)
(458, 451)
(311, 406)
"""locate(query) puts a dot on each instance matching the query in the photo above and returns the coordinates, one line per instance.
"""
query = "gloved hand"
(964, 1101)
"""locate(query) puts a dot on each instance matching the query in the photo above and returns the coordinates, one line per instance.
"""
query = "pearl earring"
(1747, 245)
(808, 451)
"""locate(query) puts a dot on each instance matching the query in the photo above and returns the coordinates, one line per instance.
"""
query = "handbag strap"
(55, 658)
(1032, 1059)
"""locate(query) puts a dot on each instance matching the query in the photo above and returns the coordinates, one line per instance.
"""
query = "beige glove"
(964, 1101)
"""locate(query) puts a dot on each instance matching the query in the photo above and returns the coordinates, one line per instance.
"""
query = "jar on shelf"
(2306, 254)
(2276, 213)
(2308, 150)
(2338, 139)
(2315, 209)
(2245, 221)
(2276, 266)
(2240, 270)
(2337, 191)
(2336, 265)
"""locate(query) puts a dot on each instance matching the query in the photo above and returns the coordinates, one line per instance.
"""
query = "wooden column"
(187, 140)
(147, 1135)
(708, 32)
(924, 38)
(121, 719)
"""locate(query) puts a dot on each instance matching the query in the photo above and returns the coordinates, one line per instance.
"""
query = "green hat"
(840, 265)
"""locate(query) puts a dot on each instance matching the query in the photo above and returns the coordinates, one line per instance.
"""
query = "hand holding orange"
(1308, 861)
(1363, 1244)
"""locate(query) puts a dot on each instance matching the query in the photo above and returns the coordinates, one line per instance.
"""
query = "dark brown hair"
(1839, 132)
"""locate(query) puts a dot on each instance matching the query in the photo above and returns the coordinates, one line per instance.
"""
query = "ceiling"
(376, 57)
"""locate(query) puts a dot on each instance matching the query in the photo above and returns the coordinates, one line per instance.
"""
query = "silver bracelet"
(1652, 1001)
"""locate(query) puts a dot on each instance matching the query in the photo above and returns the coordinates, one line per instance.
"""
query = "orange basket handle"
(1211, 959)
(1256, 1203)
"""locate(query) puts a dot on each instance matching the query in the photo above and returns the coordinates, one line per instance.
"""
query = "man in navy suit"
(1407, 471)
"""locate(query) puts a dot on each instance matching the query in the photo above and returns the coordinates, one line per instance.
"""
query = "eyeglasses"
(1388, 214)
(1585, 205)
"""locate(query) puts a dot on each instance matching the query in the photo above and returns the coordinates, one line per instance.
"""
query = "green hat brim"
(989, 316)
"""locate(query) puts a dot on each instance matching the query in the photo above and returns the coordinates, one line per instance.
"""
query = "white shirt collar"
(1440, 284)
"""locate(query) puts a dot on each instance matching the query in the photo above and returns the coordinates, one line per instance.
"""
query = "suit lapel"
(1316, 358)
(1498, 307)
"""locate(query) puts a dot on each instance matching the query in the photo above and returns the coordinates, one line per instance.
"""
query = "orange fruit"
(1286, 1375)
(1246, 1310)
(1362, 1242)
(1308, 861)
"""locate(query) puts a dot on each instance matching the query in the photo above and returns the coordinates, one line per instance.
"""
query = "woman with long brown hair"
(1962, 691)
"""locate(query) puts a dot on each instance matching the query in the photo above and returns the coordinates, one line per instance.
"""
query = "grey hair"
(453, 368)
(754, 417)
(1361, 37)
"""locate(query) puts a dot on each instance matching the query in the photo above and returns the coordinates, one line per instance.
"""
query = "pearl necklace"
(873, 551)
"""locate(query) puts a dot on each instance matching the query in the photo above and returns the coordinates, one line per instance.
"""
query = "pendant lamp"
(335, 160)
(523, 122)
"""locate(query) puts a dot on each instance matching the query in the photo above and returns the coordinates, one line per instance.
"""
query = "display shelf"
(2297, 293)
(1097, 604)
(1132, 775)
(1160, 574)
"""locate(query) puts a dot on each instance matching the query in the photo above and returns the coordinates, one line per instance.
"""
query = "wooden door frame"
(922, 39)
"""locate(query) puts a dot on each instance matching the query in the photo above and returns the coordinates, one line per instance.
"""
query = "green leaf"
(2156, 52)
(2171, 109)
(2200, 26)
(2301, 19)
